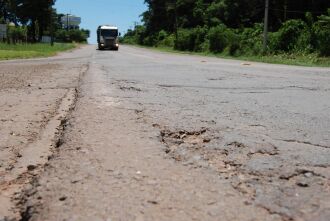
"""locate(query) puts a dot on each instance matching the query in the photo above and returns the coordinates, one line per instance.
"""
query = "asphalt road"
(159, 136)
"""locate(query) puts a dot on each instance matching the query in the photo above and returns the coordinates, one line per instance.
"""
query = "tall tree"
(164, 14)
(36, 14)
(7, 10)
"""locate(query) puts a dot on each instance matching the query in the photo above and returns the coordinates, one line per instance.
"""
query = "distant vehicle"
(108, 37)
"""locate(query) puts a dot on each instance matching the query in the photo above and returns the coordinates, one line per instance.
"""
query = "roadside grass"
(308, 60)
(21, 51)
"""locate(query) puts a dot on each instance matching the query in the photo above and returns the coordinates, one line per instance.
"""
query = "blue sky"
(122, 13)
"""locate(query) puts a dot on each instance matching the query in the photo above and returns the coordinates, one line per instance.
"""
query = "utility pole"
(176, 22)
(67, 22)
(285, 9)
(52, 26)
(266, 25)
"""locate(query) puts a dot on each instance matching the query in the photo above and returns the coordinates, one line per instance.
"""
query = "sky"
(121, 13)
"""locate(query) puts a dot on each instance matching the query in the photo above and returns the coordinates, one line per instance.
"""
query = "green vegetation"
(19, 34)
(299, 31)
(36, 16)
(29, 21)
(11, 51)
(308, 60)
(74, 35)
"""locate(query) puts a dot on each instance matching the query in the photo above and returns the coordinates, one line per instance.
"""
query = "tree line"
(235, 26)
(34, 19)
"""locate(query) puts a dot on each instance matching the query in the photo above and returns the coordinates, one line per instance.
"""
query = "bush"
(168, 41)
(321, 35)
(234, 41)
(293, 36)
(219, 38)
(200, 38)
(71, 35)
(62, 36)
(136, 36)
(273, 41)
(185, 40)
(164, 39)
(77, 36)
(129, 40)
(161, 35)
(322, 42)
(252, 40)
(140, 34)
(191, 39)
(149, 40)
(17, 33)
(129, 37)
(234, 45)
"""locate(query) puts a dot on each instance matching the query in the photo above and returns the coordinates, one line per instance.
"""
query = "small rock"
(206, 140)
(211, 202)
(302, 184)
(212, 213)
(156, 125)
(63, 198)
(31, 167)
(183, 136)
(152, 202)
(308, 174)
(75, 181)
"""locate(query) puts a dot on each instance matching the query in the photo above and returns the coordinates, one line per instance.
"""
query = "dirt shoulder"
(35, 98)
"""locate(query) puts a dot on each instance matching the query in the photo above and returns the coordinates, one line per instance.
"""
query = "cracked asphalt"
(160, 136)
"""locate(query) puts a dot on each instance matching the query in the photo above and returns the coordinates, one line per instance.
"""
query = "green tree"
(321, 30)
(36, 14)
(234, 25)
(8, 11)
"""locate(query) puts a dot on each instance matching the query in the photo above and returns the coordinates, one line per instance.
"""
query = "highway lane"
(160, 136)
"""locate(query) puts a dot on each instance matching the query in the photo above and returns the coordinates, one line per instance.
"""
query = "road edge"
(33, 164)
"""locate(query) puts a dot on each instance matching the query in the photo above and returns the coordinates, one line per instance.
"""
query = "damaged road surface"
(36, 99)
(142, 135)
